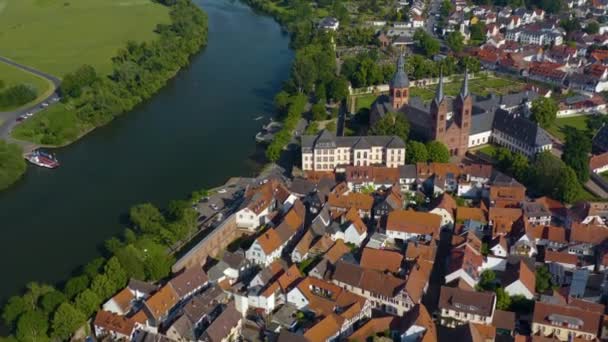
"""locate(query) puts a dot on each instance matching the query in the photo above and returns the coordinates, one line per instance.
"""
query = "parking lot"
(222, 201)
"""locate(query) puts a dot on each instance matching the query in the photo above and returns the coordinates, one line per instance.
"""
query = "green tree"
(66, 320)
(429, 45)
(437, 152)
(487, 281)
(576, 153)
(470, 63)
(570, 25)
(34, 292)
(147, 218)
(549, 175)
(93, 267)
(13, 309)
(338, 89)
(455, 41)
(102, 286)
(50, 301)
(32, 326)
(87, 302)
(416, 152)
(592, 28)
(478, 31)
(392, 124)
(446, 8)
(115, 273)
(543, 279)
(12, 164)
(76, 285)
(503, 301)
(318, 111)
(518, 167)
(544, 111)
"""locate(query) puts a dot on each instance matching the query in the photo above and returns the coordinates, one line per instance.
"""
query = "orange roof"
(123, 299)
(353, 217)
(371, 328)
(162, 301)
(588, 233)
(560, 257)
(551, 233)
(599, 55)
(324, 297)
(110, 321)
(305, 243)
(440, 169)
(598, 161)
(420, 251)
(507, 195)
(381, 260)
(322, 245)
(418, 279)
(475, 214)
(355, 200)
(413, 222)
(337, 251)
(269, 241)
(295, 216)
(284, 282)
(326, 328)
(447, 202)
(527, 276)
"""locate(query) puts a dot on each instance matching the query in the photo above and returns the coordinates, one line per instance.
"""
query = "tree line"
(139, 71)
(12, 164)
(44, 312)
(16, 95)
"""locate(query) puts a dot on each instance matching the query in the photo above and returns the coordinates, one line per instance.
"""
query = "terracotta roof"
(556, 207)
(598, 161)
(417, 279)
(123, 299)
(285, 281)
(162, 301)
(371, 328)
(305, 243)
(416, 250)
(355, 200)
(504, 320)
(324, 297)
(269, 241)
(324, 329)
(295, 216)
(372, 173)
(479, 303)
(586, 233)
(323, 244)
(504, 219)
(527, 276)
(586, 305)
(475, 214)
(260, 198)
(413, 222)
(373, 281)
(465, 258)
(140, 317)
(551, 314)
(381, 260)
(507, 195)
(337, 251)
(560, 257)
(445, 201)
(353, 217)
(188, 280)
(110, 321)
(425, 170)
(550, 233)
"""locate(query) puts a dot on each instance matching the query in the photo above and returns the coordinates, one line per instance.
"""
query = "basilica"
(464, 121)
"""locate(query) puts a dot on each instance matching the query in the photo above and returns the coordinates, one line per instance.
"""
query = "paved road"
(8, 119)
(434, 8)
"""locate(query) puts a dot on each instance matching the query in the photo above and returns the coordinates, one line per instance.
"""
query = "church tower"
(439, 113)
(464, 107)
(399, 86)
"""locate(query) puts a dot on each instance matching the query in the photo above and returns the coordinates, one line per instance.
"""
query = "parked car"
(221, 191)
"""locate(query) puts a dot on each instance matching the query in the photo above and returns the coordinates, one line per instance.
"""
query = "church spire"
(400, 80)
(464, 92)
(439, 92)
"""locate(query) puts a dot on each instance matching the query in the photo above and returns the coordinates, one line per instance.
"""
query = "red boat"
(42, 159)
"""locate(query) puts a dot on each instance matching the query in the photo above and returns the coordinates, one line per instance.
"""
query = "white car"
(221, 191)
(44, 104)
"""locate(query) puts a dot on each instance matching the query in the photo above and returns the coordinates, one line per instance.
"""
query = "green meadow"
(57, 36)
(10, 76)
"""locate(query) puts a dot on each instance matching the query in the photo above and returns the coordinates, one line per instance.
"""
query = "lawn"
(56, 36)
(481, 86)
(364, 102)
(558, 128)
(12, 76)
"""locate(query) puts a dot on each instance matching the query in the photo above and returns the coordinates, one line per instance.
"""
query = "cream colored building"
(326, 152)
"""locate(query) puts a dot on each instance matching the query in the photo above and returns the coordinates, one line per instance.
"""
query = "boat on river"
(42, 159)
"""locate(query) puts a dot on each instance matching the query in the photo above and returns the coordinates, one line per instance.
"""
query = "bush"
(17, 95)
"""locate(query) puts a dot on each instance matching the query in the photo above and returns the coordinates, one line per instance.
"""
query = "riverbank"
(140, 70)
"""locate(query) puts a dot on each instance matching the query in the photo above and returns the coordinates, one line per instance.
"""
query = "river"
(195, 133)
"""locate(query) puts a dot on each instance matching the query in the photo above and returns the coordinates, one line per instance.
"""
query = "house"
(565, 260)
(259, 203)
(182, 329)
(584, 238)
(226, 327)
(188, 282)
(564, 322)
(326, 151)
(329, 23)
(459, 307)
(417, 325)
(121, 303)
(325, 267)
(420, 251)
(599, 163)
(355, 231)
(266, 248)
(535, 213)
(113, 325)
(204, 307)
(499, 246)
(385, 291)
(391, 200)
(520, 281)
(552, 237)
(465, 262)
(381, 260)
(232, 266)
(362, 203)
(445, 207)
(507, 195)
(160, 304)
(407, 225)
(269, 288)
(360, 178)
(505, 220)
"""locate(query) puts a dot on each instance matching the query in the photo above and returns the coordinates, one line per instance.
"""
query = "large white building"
(326, 152)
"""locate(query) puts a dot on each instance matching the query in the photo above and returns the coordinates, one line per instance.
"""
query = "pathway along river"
(198, 131)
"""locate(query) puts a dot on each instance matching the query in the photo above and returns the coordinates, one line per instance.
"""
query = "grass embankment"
(92, 99)
(56, 36)
(12, 76)
(560, 126)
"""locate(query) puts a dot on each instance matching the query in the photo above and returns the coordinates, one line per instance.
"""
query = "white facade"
(351, 235)
(480, 138)
(518, 288)
(246, 218)
(256, 254)
(460, 274)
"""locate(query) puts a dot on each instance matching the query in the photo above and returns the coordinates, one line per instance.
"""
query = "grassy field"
(558, 129)
(12, 76)
(480, 86)
(364, 102)
(56, 36)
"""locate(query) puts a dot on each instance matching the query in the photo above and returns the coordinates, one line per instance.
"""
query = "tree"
(12, 164)
(543, 279)
(503, 301)
(281, 101)
(568, 187)
(478, 31)
(429, 45)
(592, 28)
(416, 152)
(446, 8)
(66, 320)
(115, 273)
(147, 218)
(318, 111)
(576, 153)
(13, 309)
(487, 281)
(87, 302)
(518, 167)
(32, 326)
(50, 301)
(470, 63)
(102, 286)
(549, 175)
(338, 89)
(438, 152)
(93, 267)
(34, 292)
(544, 111)
(455, 41)
(76, 285)
(570, 25)
(392, 124)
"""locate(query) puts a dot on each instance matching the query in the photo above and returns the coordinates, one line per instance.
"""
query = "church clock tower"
(399, 86)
